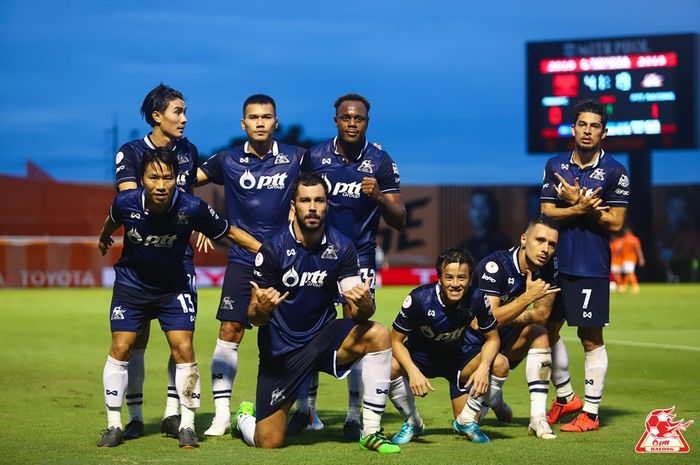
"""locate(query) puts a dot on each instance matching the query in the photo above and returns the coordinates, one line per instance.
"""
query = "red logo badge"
(662, 434)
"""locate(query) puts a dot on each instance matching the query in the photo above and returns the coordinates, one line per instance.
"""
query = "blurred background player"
(363, 183)
(616, 280)
(484, 220)
(164, 109)
(428, 341)
(298, 272)
(587, 193)
(506, 283)
(632, 256)
(151, 280)
(257, 178)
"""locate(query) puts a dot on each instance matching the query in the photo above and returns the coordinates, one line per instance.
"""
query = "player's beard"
(305, 228)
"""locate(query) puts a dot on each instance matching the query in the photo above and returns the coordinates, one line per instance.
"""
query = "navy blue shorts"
(448, 366)
(582, 301)
(279, 378)
(235, 294)
(131, 307)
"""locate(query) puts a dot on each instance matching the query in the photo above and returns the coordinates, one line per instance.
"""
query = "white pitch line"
(650, 345)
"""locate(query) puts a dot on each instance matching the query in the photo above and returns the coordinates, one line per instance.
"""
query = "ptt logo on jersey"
(624, 181)
(134, 236)
(662, 434)
(451, 336)
(488, 278)
(308, 278)
(598, 173)
(330, 253)
(167, 240)
(117, 313)
(366, 167)
(281, 159)
(344, 189)
(275, 181)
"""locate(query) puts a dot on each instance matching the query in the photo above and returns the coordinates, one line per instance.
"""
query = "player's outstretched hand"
(268, 298)
(567, 192)
(104, 243)
(420, 386)
(204, 244)
(370, 187)
(479, 381)
(538, 288)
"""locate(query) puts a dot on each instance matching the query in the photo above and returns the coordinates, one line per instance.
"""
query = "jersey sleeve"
(264, 270)
(408, 318)
(490, 276)
(549, 194)
(388, 176)
(192, 175)
(481, 307)
(214, 168)
(209, 222)
(617, 189)
(349, 263)
(116, 211)
(127, 165)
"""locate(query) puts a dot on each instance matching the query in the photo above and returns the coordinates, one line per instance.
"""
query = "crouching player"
(428, 342)
(150, 279)
(297, 273)
(507, 282)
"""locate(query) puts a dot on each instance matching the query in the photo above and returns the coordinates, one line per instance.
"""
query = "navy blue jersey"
(128, 161)
(432, 327)
(584, 246)
(154, 244)
(258, 190)
(351, 211)
(499, 275)
(311, 277)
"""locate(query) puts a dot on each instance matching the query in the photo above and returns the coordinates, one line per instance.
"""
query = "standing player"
(296, 278)
(507, 282)
(257, 179)
(364, 184)
(164, 109)
(428, 342)
(632, 256)
(587, 193)
(151, 281)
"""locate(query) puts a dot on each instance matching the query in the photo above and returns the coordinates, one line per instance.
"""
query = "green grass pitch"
(54, 344)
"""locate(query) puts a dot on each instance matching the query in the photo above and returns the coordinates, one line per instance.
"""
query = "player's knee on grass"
(269, 433)
(231, 331)
(500, 366)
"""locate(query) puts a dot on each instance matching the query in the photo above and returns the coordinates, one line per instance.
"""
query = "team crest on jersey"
(117, 313)
(182, 159)
(182, 218)
(366, 167)
(134, 236)
(227, 303)
(395, 168)
(330, 253)
(281, 159)
(491, 267)
(598, 173)
(624, 181)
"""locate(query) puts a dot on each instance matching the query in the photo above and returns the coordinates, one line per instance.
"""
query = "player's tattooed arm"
(539, 313)
(515, 310)
(105, 240)
(391, 206)
(420, 386)
(262, 303)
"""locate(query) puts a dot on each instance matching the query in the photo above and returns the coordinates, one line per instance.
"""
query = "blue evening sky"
(446, 79)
